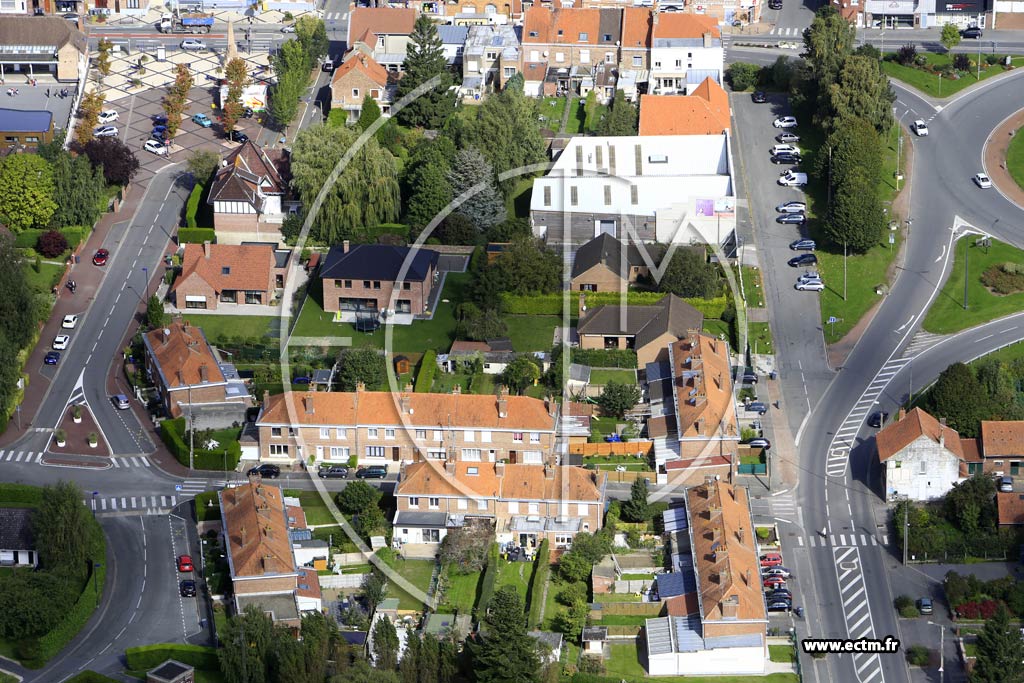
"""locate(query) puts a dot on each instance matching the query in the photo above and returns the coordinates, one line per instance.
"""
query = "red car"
(100, 258)
(771, 560)
(774, 582)
(185, 563)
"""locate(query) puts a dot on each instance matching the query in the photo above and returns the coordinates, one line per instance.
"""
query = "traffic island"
(78, 433)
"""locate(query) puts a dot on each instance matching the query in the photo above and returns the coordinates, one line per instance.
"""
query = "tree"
(51, 244)
(318, 635)
(689, 274)
(742, 75)
(409, 667)
(527, 266)
(103, 49)
(424, 59)
(245, 646)
(573, 619)
(636, 509)
(574, 567)
(465, 548)
(854, 144)
(828, 41)
(67, 527)
(1000, 651)
(970, 505)
(946, 399)
(522, 372)
(617, 398)
(202, 163)
(507, 654)
(117, 159)
(177, 97)
(311, 34)
(855, 218)
(361, 365)
(622, 118)
(385, 645)
(88, 116)
(429, 197)
(457, 228)
(155, 315)
(862, 90)
(18, 312)
(374, 589)
(371, 522)
(284, 99)
(478, 324)
(366, 192)
(486, 207)
(79, 187)
(237, 77)
(26, 192)
(950, 37)
(368, 113)
(356, 497)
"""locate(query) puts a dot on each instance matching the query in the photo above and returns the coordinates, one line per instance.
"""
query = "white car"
(60, 342)
(108, 116)
(69, 322)
(156, 147)
(791, 207)
(920, 127)
(785, 122)
(787, 137)
(982, 181)
(785, 149)
(810, 286)
(290, 28)
(105, 132)
(192, 44)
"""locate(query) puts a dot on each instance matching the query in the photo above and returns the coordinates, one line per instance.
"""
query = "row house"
(522, 503)
(571, 41)
(685, 50)
(379, 427)
(491, 56)
(384, 31)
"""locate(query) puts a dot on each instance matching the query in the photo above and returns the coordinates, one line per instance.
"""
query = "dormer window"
(225, 270)
(607, 38)
(561, 33)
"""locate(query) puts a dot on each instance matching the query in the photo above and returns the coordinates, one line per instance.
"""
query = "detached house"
(685, 49)
(605, 264)
(647, 329)
(384, 31)
(214, 274)
(358, 76)
(921, 457)
(360, 280)
(249, 195)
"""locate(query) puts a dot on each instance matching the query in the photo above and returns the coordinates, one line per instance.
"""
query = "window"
(899, 464)
(561, 33)
(679, 63)
(607, 195)
(563, 541)
(547, 195)
(414, 502)
(585, 56)
(533, 508)
(470, 435)
(292, 431)
(924, 467)
(375, 94)
(436, 454)
(407, 286)
(533, 458)
(462, 504)
(421, 433)
(533, 34)
(389, 433)
(437, 435)
(366, 284)
(348, 284)
(376, 284)
(517, 437)
(275, 432)
(339, 452)
(371, 433)
(340, 433)
(492, 56)
(355, 93)
(559, 56)
(574, 196)
(657, 65)
(279, 449)
(534, 437)
(582, 509)
(583, 37)
(609, 57)
(481, 504)
(433, 502)
(485, 437)
(634, 194)
(375, 451)
(638, 60)
(509, 71)
(471, 454)
(513, 507)
(225, 270)
(472, 471)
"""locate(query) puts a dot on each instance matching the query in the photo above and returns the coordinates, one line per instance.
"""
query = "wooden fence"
(637, 609)
(607, 449)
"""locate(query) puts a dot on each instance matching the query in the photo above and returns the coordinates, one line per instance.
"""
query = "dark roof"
(14, 121)
(595, 633)
(415, 518)
(670, 314)
(670, 585)
(354, 637)
(500, 344)
(244, 174)
(16, 529)
(377, 262)
(170, 670)
(607, 250)
(39, 32)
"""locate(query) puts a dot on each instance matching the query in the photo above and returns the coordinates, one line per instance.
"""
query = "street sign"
(177, 487)
(892, 238)
(832, 320)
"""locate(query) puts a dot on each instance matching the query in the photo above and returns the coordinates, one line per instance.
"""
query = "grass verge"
(930, 83)
(1015, 159)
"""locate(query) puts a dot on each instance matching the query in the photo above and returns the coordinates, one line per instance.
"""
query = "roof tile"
(256, 529)
(1002, 438)
(912, 426)
(228, 266)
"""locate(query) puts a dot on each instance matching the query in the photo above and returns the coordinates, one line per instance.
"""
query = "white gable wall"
(923, 470)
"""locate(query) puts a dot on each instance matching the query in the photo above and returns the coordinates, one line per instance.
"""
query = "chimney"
(741, 535)
(502, 402)
(449, 466)
(723, 576)
(360, 387)
(707, 39)
(457, 389)
(403, 403)
(549, 471)
(730, 607)
(245, 533)
(654, 14)
(583, 305)
(167, 335)
(308, 403)
(266, 398)
(344, 246)
(700, 420)
(206, 249)
(552, 407)
(499, 468)
(902, 414)
(204, 373)
(408, 387)
(748, 577)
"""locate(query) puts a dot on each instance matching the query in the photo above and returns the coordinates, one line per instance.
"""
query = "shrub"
(985, 609)
(425, 376)
(903, 601)
(51, 244)
(992, 60)
(16, 495)
(920, 60)
(537, 583)
(605, 358)
(743, 75)
(1004, 278)
(906, 54)
(572, 593)
(149, 656)
(90, 677)
(910, 612)
(487, 584)
(192, 207)
(961, 62)
(591, 664)
(173, 434)
(196, 235)
(918, 655)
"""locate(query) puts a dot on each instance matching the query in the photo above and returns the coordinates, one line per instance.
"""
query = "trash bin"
(78, 259)
(772, 375)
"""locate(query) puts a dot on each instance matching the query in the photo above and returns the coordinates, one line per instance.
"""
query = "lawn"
(930, 83)
(316, 511)
(759, 337)
(1015, 159)
(46, 278)
(551, 605)
(518, 203)
(603, 376)
(624, 664)
(781, 653)
(479, 383)
(417, 572)
(220, 327)
(716, 327)
(516, 574)
(531, 332)
(603, 425)
(753, 287)
(461, 593)
(947, 313)
(622, 620)
(552, 110)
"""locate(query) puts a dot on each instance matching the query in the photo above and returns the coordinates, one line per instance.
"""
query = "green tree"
(103, 49)
(79, 187)
(424, 59)
(368, 113)
(828, 41)
(742, 75)
(10, 366)
(385, 644)
(970, 505)
(356, 497)
(65, 524)
(429, 197)
(617, 398)
(478, 324)
(33, 603)
(622, 117)
(527, 266)
(689, 274)
(636, 509)
(364, 365)
(202, 163)
(88, 110)
(486, 207)
(17, 306)
(26, 192)
(237, 77)
(946, 399)
(457, 228)
(246, 645)
(1000, 651)
(366, 192)
(374, 589)
(311, 35)
(507, 654)
(372, 522)
(522, 372)
(176, 99)
(155, 315)
(409, 667)
(855, 144)
(319, 635)
(284, 98)
(573, 619)
(855, 217)
(862, 90)
(950, 37)
(574, 567)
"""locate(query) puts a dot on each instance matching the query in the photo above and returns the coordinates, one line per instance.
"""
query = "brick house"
(41, 45)
(384, 30)
(635, 50)
(491, 57)
(1001, 446)
(571, 41)
(525, 503)
(214, 274)
(186, 372)
(605, 264)
(381, 428)
(705, 111)
(358, 76)
(685, 49)
(362, 279)
(921, 457)
(250, 195)
(647, 329)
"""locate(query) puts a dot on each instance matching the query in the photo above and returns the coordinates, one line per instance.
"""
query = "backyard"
(516, 574)
(418, 573)
(601, 376)
(625, 664)
(218, 328)
(460, 592)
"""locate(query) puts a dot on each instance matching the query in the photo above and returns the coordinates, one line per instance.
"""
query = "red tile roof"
(1002, 438)
(685, 25)
(912, 426)
(682, 605)
(381, 21)
(704, 400)
(563, 26)
(257, 533)
(1011, 508)
(364, 64)
(183, 355)
(241, 267)
(705, 112)
(636, 27)
(309, 584)
(519, 482)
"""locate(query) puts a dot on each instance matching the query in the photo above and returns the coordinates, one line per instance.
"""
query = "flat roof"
(17, 121)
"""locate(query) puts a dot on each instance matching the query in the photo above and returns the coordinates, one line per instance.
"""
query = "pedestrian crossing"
(786, 32)
(16, 455)
(26, 456)
(148, 505)
(130, 461)
(336, 16)
(842, 540)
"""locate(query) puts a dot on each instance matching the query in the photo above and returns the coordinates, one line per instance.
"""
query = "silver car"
(105, 132)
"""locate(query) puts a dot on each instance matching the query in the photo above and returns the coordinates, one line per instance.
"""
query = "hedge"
(204, 511)
(173, 434)
(487, 584)
(551, 304)
(605, 358)
(27, 239)
(192, 206)
(425, 376)
(193, 235)
(540, 577)
(149, 656)
(90, 677)
(14, 495)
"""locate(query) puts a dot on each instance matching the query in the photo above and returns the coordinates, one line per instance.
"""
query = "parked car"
(187, 588)
(780, 605)
(778, 570)
(333, 472)
(760, 442)
(791, 207)
(791, 218)
(786, 158)
(51, 358)
(185, 563)
(202, 120)
(105, 132)
(812, 286)
(290, 28)
(108, 116)
(121, 402)
(327, 66)
(787, 137)
(920, 128)
(792, 178)
(809, 276)
(758, 407)
(778, 594)
(877, 419)
(771, 559)
(60, 342)
(1006, 484)
(924, 606)
(192, 44)
(774, 4)
(69, 322)
(266, 470)
(803, 245)
(158, 119)
(971, 32)
(803, 260)
(248, 112)
(760, 97)
(100, 257)
(785, 122)
(372, 472)
(982, 180)
(774, 582)
(70, 16)
(749, 378)
(159, 128)
(785, 148)
(238, 136)
(157, 147)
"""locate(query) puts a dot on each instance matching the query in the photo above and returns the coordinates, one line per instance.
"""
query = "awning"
(195, 298)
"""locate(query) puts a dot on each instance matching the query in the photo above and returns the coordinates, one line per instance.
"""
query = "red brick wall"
(418, 293)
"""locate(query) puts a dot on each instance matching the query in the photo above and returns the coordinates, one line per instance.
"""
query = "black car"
(187, 588)
(802, 260)
(774, 4)
(786, 158)
(778, 594)
(51, 358)
(877, 419)
(237, 136)
(333, 473)
(756, 407)
(803, 245)
(760, 97)
(372, 472)
(780, 605)
(248, 112)
(791, 218)
(266, 470)
(971, 32)
(749, 378)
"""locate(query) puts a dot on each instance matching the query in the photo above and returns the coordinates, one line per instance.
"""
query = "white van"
(793, 179)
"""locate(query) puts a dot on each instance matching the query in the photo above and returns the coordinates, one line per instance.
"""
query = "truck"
(186, 22)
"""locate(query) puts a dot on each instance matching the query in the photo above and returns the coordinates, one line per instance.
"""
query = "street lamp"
(145, 275)
(967, 257)
(942, 638)
(95, 587)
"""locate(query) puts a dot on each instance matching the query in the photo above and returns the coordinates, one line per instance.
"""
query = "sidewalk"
(995, 158)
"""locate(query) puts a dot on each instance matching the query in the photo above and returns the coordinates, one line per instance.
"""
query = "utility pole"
(906, 527)
(979, 60)
(844, 270)
(899, 153)
(191, 432)
(967, 257)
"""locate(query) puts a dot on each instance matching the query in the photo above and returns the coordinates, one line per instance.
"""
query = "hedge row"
(173, 434)
(193, 235)
(551, 304)
(192, 206)
(90, 677)
(149, 656)
(204, 511)
(428, 368)
(536, 589)
(13, 495)
(487, 584)
(27, 239)
(605, 358)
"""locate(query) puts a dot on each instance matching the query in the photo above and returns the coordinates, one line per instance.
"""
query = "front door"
(396, 453)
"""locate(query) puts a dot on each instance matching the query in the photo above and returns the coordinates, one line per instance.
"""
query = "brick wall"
(417, 294)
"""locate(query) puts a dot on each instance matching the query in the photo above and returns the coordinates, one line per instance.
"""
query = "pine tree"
(486, 207)
(1000, 654)
(385, 645)
(507, 654)
(622, 118)
(635, 509)
(369, 112)
(424, 59)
